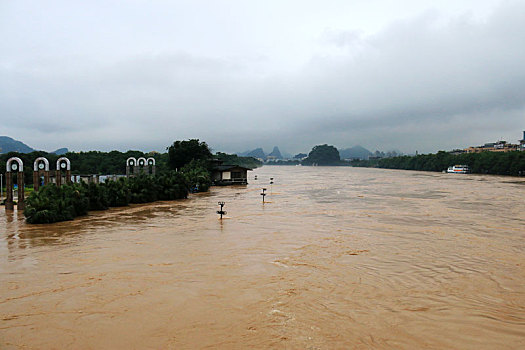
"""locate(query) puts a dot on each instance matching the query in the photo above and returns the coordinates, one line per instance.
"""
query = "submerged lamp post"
(221, 212)
(263, 194)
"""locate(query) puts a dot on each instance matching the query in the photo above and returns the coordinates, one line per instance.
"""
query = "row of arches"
(41, 170)
(142, 165)
(41, 163)
(15, 165)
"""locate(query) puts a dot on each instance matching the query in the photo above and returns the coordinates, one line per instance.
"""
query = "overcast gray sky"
(138, 74)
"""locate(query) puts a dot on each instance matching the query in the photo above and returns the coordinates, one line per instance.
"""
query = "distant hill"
(276, 153)
(355, 152)
(8, 144)
(60, 151)
(256, 153)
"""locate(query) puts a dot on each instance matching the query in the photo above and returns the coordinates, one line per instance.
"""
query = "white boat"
(458, 169)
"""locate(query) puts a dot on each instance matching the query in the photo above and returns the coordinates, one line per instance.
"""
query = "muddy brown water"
(339, 258)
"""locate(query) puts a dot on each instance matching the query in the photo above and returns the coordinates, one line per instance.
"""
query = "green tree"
(323, 155)
(233, 159)
(52, 204)
(183, 152)
(197, 176)
(97, 195)
(117, 192)
(172, 185)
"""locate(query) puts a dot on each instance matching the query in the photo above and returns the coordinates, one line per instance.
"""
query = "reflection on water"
(336, 258)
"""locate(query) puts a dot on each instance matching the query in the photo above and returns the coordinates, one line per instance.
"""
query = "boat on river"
(458, 169)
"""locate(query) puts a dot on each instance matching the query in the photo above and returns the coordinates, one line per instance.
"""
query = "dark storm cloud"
(423, 83)
(417, 73)
(427, 83)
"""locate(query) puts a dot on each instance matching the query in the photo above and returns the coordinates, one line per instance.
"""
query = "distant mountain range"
(8, 144)
(259, 153)
(356, 152)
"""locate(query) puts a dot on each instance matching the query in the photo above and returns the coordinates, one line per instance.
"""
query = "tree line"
(495, 163)
(114, 162)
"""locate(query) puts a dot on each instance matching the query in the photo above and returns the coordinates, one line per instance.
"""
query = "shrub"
(117, 192)
(97, 196)
(52, 203)
(197, 176)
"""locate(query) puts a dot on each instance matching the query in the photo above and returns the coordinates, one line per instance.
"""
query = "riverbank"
(491, 163)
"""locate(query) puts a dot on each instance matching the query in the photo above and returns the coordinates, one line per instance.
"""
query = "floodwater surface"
(338, 258)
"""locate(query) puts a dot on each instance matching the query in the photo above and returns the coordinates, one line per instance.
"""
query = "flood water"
(338, 258)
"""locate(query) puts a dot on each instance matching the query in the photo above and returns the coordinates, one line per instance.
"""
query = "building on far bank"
(500, 146)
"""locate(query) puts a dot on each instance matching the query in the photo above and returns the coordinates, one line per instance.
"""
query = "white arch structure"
(151, 162)
(131, 159)
(14, 165)
(46, 164)
(40, 165)
(142, 161)
(135, 166)
(131, 166)
(58, 174)
(18, 168)
(68, 163)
